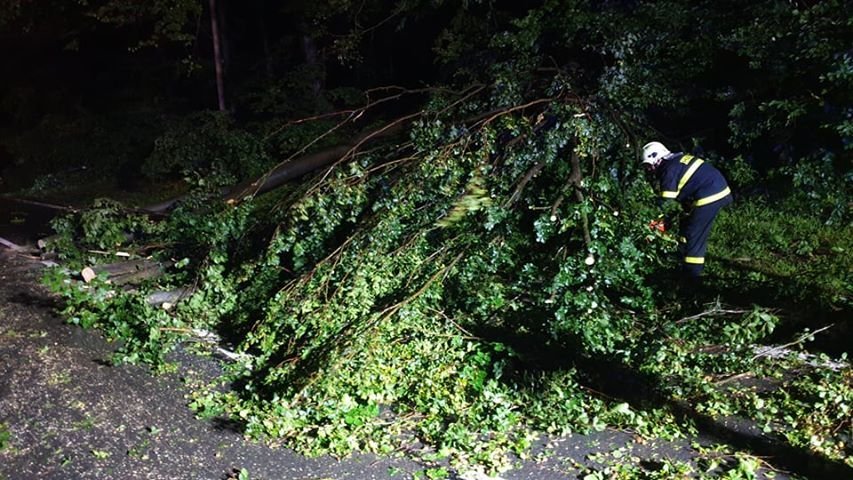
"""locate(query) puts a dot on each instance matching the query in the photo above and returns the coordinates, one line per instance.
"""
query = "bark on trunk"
(312, 59)
(11, 245)
(265, 38)
(171, 297)
(217, 56)
(120, 273)
(286, 172)
(576, 180)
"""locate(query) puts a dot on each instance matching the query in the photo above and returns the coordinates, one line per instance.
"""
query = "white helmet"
(653, 152)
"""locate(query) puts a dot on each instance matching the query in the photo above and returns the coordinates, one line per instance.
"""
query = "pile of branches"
(454, 287)
(411, 284)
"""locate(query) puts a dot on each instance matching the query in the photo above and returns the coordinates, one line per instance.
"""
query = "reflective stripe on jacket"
(688, 179)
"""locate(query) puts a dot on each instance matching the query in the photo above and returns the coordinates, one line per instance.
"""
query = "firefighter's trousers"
(696, 230)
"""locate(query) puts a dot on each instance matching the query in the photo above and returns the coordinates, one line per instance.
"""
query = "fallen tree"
(384, 252)
(447, 292)
(300, 164)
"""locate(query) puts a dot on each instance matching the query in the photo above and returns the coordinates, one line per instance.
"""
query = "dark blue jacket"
(690, 180)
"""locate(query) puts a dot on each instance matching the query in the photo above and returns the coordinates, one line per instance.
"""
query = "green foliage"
(168, 20)
(295, 95)
(794, 256)
(821, 187)
(384, 275)
(100, 454)
(206, 141)
(158, 23)
(711, 462)
(805, 399)
(66, 150)
(5, 436)
(740, 174)
(800, 47)
(10, 12)
(146, 333)
(107, 225)
(815, 411)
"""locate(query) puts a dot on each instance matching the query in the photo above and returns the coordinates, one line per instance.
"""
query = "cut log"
(113, 269)
(125, 272)
(11, 245)
(26, 249)
(141, 275)
(171, 297)
(45, 242)
(88, 274)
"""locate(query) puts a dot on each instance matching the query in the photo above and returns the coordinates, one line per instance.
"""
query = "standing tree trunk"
(313, 61)
(224, 37)
(262, 24)
(217, 56)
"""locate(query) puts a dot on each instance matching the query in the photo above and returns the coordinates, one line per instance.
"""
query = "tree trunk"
(171, 297)
(224, 37)
(289, 170)
(294, 168)
(217, 56)
(262, 24)
(11, 245)
(576, 180)
(286, 171)
(312, 59)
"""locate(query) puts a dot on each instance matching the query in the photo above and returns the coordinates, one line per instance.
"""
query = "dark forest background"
(93, 84)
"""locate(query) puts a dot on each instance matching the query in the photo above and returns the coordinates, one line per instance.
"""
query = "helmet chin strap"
(655, 163)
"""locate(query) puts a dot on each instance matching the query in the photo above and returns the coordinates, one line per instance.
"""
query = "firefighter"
(702, 191)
